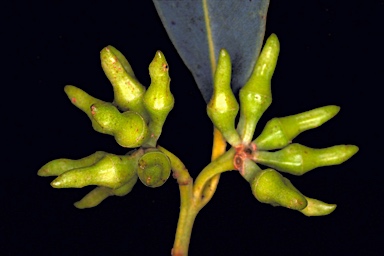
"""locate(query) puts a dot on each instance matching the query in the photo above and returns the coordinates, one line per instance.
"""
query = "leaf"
(199, 29)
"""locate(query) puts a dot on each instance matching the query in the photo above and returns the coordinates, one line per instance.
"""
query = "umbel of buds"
(268, 185)
(135, 119)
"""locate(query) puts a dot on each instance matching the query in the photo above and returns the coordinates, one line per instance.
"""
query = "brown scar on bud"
(165, 67)
(93, 110)
(242, 153)
(73, 100)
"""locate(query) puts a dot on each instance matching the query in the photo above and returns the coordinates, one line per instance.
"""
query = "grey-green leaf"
(199, 29)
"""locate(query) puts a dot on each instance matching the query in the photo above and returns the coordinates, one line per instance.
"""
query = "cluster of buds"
(268, 185)
(135, 119)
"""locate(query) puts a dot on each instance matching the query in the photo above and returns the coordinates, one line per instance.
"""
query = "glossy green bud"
(154, 168)
(256, 96)
(317, 208)
(279, 132)
(59, 166)
(128, 92)
(129, 128)
(158, 99)
(223, 107)
(94, 197)
(97, 195)
(270, 187)
(298, 159)
(83, 101)
(111, 171)
(314, 207)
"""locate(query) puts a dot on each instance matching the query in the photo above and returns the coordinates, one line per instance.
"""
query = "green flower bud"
(94, 198)
(83, 101)
(298, 159)
(111, 171)
(154, 168)
(270, 187)
(223, 107)
(314, 207)
(128, 128)
(317, 208)
(279, 132)
(128, 92)
(158, 99)
(59, 166)
(97, 195)
(256, 96)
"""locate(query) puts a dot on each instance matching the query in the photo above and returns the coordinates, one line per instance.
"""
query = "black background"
(331, 53)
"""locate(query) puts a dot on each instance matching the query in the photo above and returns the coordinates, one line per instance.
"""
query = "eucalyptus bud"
(223, 107)
(154, 168)
(270, 187)
(256, 96)
(128, 92)
(314, 207)
(97, 195)
(59, 166)
(83, 101)
(158, 99)
(298, 159)
(129, 128)
(111, 171)
(279, 132)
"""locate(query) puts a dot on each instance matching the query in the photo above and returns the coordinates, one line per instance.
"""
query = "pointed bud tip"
(78, 205)
(68, 88)
(223, 52)
(332, 110)
(56, 183)
(318, 208)
(353, 148)
(273, 39)
(43, 172)
(159, 54)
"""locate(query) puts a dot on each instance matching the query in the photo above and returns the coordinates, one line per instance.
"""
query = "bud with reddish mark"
(128, 91)
(158, 99)
(154, 168)
(83, 101)
(129, 128)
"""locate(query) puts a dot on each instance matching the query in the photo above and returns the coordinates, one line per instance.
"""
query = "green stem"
(188, 213)
(222, 164)
(192, 196)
